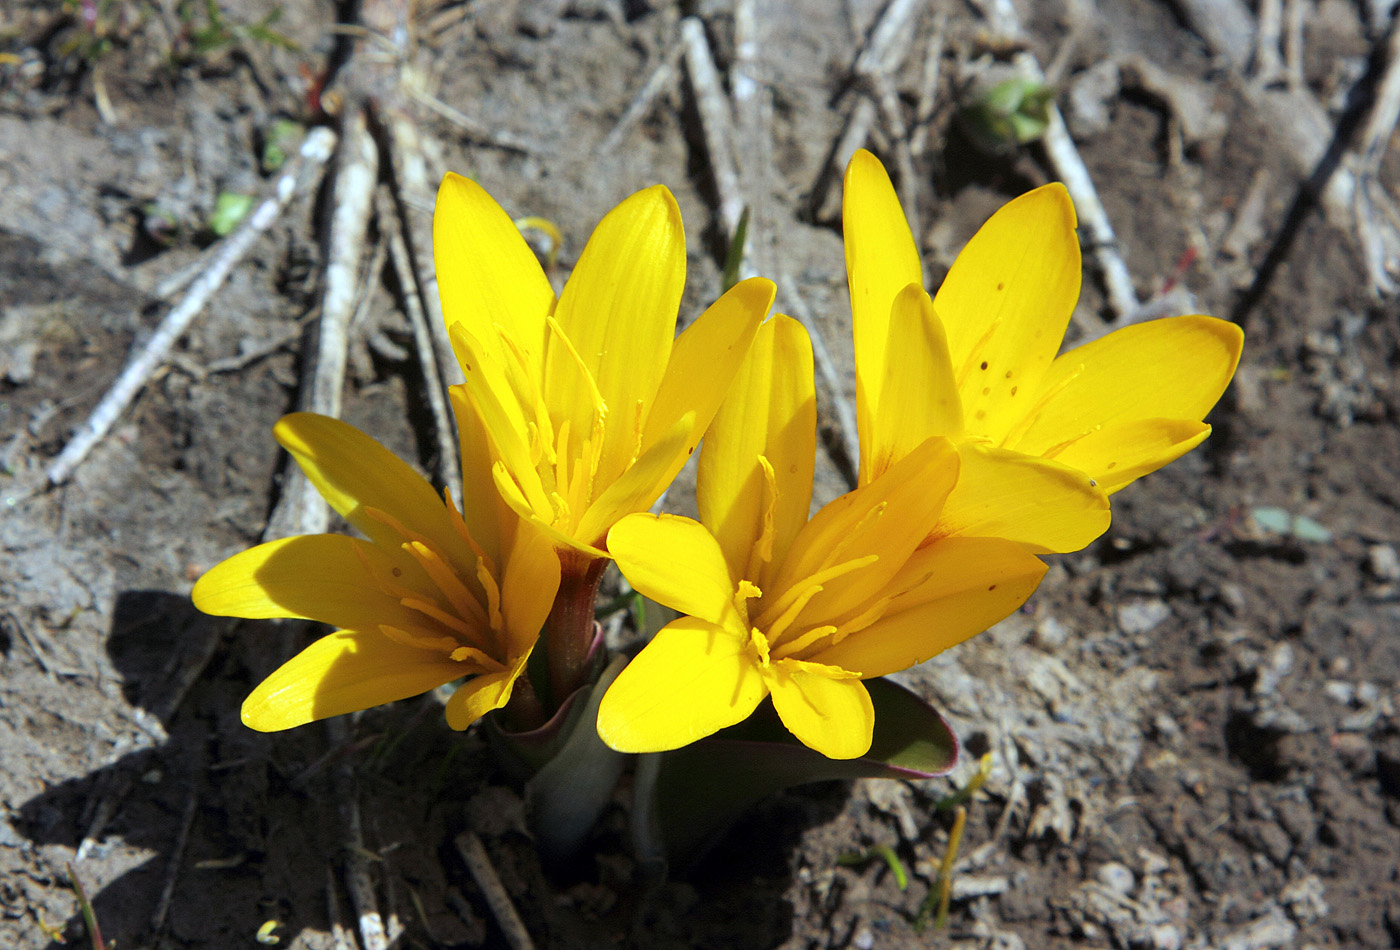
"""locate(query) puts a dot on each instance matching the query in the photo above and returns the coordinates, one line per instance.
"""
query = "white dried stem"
(1099, 239)
(416, 194)
(1268, 41)
(177, 856)
(299, 174)
(444, 430)
(716, 122)
(928, 86)
(357, 876)
(663, 77)
(1294, 15)
(479, 865)
(884, 52)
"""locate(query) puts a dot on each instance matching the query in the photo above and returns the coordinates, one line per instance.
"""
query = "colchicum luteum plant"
(982, 448)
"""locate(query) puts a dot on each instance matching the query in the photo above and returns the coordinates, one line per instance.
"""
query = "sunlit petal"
(343, 672)
(618, 311)
(354, 472)
(881, 260)
(325, 577)
(1174, 368)
(705, 358)
(528, 588)
(1117, 455)
(481, 694)
(1043, 504)
(641, 484)
(954, 588)
(1005, 305)
(771, 411)
(677, 562)
(919, 397)
(487, 275)
(692, 680)
(831, 714)
(887, 518)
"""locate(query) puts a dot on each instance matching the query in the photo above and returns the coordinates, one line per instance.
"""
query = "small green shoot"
(230, 208)
(734, 260)
(1013, 112)
(935, 905)
(901, 877)
(279, 142)
(85, 905)
(963, 795)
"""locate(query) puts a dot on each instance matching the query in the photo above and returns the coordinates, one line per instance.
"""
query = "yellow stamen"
(422, 641)
(802, 643)
(447, 581)
(787, 606)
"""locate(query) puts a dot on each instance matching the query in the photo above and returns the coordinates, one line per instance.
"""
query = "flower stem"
(569, 630)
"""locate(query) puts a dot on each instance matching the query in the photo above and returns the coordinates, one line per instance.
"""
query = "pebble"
(1140, 616)
(1166, 937)
(1117, 878)
(1339, 691)
(1383, 562)
(864, 938)
(1050, 634)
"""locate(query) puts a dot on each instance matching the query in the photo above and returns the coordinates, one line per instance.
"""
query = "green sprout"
(901, 877)
(1012, 112)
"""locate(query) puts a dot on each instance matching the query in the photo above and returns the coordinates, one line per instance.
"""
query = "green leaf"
(229, 209)
(734, 260)
(686, 799)
(566, 796)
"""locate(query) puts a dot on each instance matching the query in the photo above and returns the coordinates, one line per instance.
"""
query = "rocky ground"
(1193, 723)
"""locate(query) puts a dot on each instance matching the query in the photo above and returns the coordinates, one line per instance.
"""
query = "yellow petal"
(887, 518)
(1045, 505)
(489, 520)
(354, 472)
(919, 397)
(1163, 369)
(831, 714)
(1005, 305)
(481, 694)
(343, 672)
(954, 588)
(692, 680)
(562, 539)
(502, 416)
(1117, 455)
(618, 310)
(771, 411)
(677, 562)
(881, 260)
(640, 484)
(325, 577)
(487, 274)
(528, 588)
(704, 360)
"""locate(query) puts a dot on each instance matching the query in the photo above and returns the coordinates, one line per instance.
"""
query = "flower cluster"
(982, 447)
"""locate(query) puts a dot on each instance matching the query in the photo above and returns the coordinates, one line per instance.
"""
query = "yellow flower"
(779, 605)
(978, 362)
(431, 597)
(589, 403)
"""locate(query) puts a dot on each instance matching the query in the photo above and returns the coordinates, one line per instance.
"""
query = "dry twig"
(479, 865)
(299, 175)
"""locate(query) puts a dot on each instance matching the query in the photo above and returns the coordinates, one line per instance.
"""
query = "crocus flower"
(589, 403)
(978, 362)
(429, 598)
(801, 610)
(583, 409)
